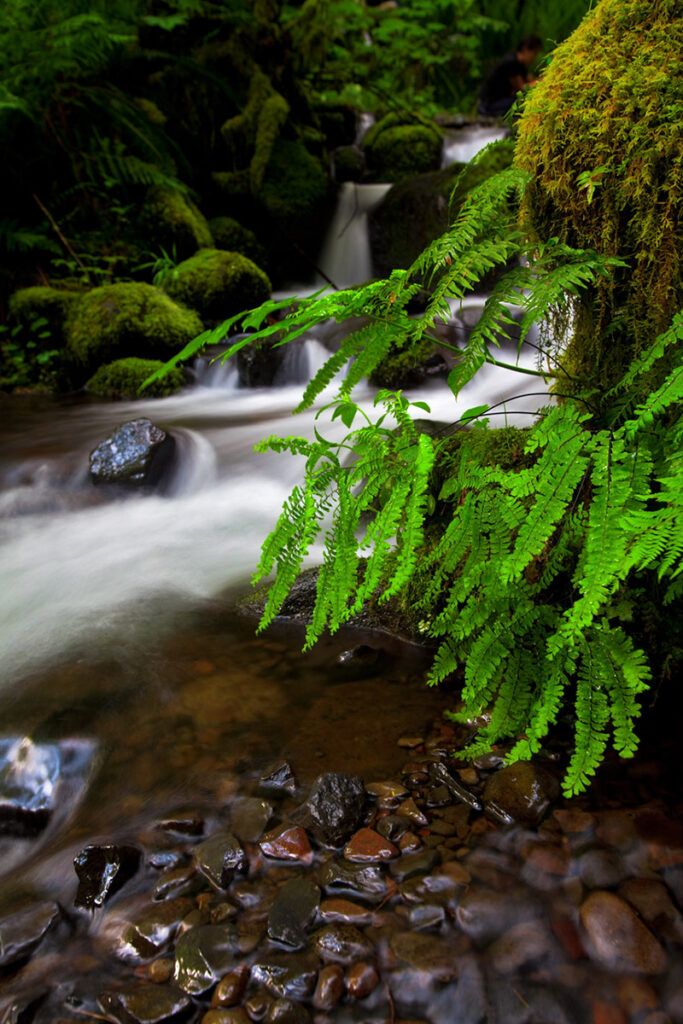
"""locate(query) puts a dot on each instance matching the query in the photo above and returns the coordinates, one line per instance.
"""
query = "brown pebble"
(635, 995)
(231, 988)
(548, 858)
(287, 844)
(409, 842)
(409, 809)
(658, 1017)
(619, 937)
(361, 980)
(388, 794)
(368, 846)
(468, 776)
(345, 911)
(607, 1013)
(410, 742)
(573, 821)
(224, 1016)
(258, 1005)
(330, 987)
(203, 667)
(160, 971)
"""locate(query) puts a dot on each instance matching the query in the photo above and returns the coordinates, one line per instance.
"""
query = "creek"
(145, 696)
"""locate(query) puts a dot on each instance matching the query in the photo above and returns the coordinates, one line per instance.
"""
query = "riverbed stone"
(285, 843)
(651, 899)
(342, 943)
(29, 773)
(249, 817)
(523, 790)
(136, 454)
(219, 858)
(421, 863)
(619, 938)
(393, 826)
(203, 955)
(330, 987)
(293, 910)
(231, 988)
(102, 870)
(153, 929)
(334, 808)
(23, 931)
(361, 980)
(484, 913)
(409, 809)
(522, 946)
(144, 1003)
(278, 778)
(367, 846)
(362, 881)
(427, 953)
(286, 1011)
(345, 912)
(602, 868)
(287, 975)
(231, 1015)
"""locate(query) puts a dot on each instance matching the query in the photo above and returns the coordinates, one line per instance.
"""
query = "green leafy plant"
(521, 574)
(26, 357)
(164, 267)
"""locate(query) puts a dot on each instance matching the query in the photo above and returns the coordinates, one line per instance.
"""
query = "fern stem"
(520, 369)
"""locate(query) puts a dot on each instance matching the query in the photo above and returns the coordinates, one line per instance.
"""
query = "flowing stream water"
(122, 654)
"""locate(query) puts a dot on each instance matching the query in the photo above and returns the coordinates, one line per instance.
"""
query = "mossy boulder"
(411, 366)
(349, 163)
(396, 148)
(128, 319)
(123, 378)
(416, 211)
(609, 109)
(229, 234)
(172, 221)
(294, 183)
(41, 302)
(218, 283)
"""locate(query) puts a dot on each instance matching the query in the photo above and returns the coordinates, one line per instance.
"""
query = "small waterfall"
(346, 257)
(462, 144)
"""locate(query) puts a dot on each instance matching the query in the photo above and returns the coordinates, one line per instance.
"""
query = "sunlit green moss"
(218, 283)
(172, 221)
(123, 378)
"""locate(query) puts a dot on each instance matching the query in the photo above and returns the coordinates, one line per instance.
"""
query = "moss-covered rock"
(40, 302)
(128, 319)
(123, 378)
(349, 163)
(416, 211)
(218, 283)
(172, 221)
(294, 182)
(229, 234)
(607, 114)
(410, 367)
(399, 147)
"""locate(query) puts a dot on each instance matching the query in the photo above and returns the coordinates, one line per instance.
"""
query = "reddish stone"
(368, 846)
(568, 935)
(330, 987)
(411, 742)
(606, 1013)
(203, 668)
(361, 980)
(620, 939)
(635, 995)
(551, 859)
(287, 844)
(573, 821)
(664, 838)
(616, 828)
(409, 842)
(454, 870)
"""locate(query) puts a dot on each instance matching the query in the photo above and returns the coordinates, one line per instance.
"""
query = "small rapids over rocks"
(198, 824)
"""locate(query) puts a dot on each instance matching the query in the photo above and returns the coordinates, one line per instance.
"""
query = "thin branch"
(58, 232)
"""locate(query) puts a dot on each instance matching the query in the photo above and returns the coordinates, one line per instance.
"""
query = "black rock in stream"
(137, 454)
(334, 808)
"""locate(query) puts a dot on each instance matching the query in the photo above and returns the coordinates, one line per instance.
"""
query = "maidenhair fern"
(522, 580)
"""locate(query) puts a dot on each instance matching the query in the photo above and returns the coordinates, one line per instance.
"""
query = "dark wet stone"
(102, 870)
(219, 858)
(258, 364)
(279, 778)
(524, 791)
(426, 953)
(431, 890)
(142, 1003)
(345, 911)
(342, 943)
(23, 1007)
(330, 987)
(137, 453)
(393, 826)
(257, 1006)
(365, 881)
(21, 932)
(231, 988)
(284, 1011)
(152, 931)
(293, 910)
(287, 975)
(234, 1015)
(420, 863)
(203, 955)
(361, 662)
(28, 776)
(249, 817)
(620, 939)
(287, 844)
(178, 881)
(437, 796)
(334, 808)
(602, 869)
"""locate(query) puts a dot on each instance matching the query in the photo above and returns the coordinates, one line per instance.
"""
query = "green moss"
(400, 146)
(349, 163)
(123, 377)
(231, 235)
(408, 367)
(294, 182)
(128, 319)
(42, 303)
(218, 283)
(172, 221)
(611, 103)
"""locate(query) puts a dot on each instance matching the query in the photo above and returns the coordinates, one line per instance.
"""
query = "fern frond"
(592, 715)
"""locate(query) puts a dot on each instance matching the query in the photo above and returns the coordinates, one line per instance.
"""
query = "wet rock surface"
(392, 899)
(137, 454)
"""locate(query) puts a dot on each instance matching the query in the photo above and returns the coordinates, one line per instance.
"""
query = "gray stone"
(342, 944)
(249, 817)
(137, 454)
(340, 878)
(219, 858)
(203, 955)
(287, 975)
(144, 1003)
(420, 863)
(279, 778)
(293, 910)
